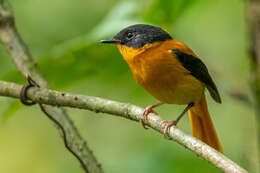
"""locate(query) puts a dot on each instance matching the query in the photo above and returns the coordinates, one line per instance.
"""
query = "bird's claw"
(168, 125)
(145, 115)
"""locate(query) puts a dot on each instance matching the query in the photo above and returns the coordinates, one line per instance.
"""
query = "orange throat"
(129, 53)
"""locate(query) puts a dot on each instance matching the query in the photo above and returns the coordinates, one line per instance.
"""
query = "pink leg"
(174, 122)
(147, 110)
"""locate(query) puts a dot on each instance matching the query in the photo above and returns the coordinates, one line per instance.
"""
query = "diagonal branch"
(24, 62)
(56, 98)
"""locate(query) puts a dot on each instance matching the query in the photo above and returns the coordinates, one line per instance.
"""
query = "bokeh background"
(63, 36)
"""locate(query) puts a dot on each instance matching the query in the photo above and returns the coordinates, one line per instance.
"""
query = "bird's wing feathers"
(198, 69)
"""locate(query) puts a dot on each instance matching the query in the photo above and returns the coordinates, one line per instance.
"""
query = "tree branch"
(56, 98)
(24, 62)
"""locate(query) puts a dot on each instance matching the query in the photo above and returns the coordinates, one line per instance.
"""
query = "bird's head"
(136, 38)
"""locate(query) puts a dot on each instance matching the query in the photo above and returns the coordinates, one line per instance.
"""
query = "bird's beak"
(113, 41)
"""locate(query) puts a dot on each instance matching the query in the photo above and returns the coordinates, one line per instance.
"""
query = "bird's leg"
(23, 94)
(174, 122)
(147, 110)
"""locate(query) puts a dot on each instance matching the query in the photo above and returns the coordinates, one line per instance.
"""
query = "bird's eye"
(129, 35)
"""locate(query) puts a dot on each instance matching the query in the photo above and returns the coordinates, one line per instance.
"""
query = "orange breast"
(157, 70)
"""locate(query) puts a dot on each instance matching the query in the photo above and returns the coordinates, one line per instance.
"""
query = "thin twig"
(132, 112)
(64, 136)
(24, 62)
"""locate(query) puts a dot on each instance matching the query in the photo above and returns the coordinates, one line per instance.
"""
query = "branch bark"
(24, 62)
(128, 111)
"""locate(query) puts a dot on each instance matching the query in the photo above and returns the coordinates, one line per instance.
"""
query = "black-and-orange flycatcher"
(172, 73)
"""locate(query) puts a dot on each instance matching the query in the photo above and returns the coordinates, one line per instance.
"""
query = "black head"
(138, 35)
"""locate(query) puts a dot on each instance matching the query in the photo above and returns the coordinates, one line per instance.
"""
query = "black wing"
(199, 70)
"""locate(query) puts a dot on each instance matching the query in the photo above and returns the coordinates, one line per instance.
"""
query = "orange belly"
(162, 75)
(172, 92)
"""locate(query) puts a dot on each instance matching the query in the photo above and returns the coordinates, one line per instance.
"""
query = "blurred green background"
(63, 37)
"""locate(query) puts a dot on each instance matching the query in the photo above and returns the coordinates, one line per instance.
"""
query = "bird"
(172, 73)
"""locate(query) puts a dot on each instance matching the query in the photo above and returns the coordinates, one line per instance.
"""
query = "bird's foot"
(168, 125)
(147, 110)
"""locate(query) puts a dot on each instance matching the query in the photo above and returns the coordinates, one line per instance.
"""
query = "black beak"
(113, 41)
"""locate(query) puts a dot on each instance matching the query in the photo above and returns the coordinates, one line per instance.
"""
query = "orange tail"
(202, 126)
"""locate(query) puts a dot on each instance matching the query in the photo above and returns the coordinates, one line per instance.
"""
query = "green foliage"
(12, 108)
(165, 13)
(81, 63)
(82, 58)
(13, 76)
(123, 14)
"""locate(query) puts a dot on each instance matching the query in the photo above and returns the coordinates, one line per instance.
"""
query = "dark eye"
(129, 35)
